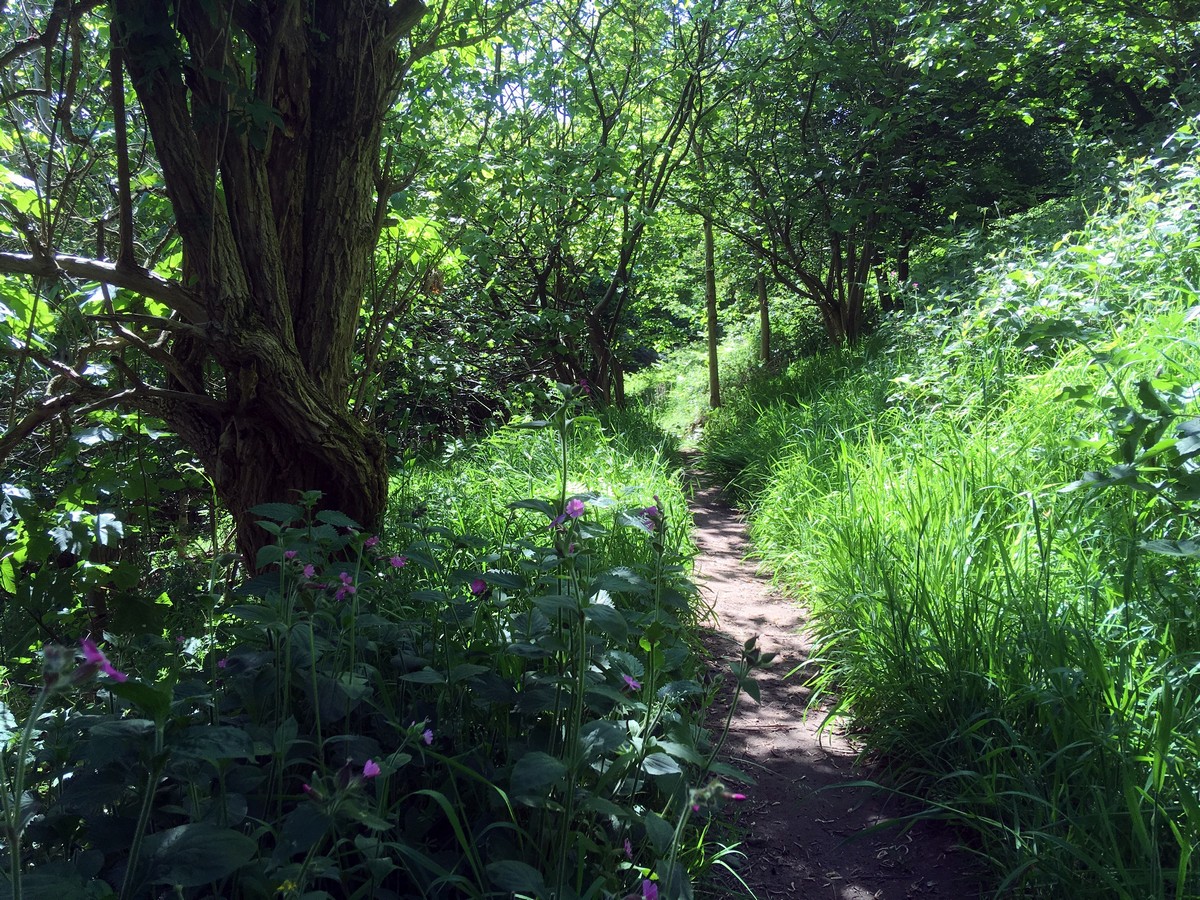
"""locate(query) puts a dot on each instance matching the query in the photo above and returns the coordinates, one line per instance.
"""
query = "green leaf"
(600, 737)
(271, 553)
(284, 513)
(8, 575)
(152, 699)
(607, 619)
(539, 505)
(535, 774)
(1185, 548)
(660, 833)
(8, 724)
(424, 676)
(212, 743)
(660, 764)
(516, 877)
(337, 519)
(196, 854)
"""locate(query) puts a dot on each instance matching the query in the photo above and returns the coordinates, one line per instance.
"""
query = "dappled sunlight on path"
(804, 831)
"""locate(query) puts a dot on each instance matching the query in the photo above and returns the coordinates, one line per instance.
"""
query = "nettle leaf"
(196, 854)
(600, 737)
(1185, 548)
(517, 877)
(535, 774)
(541, 506)
(152, 699)
(608, 620)
(661, 835)
(621, 580)
(213, 743)
(660, 764)
(284, 513)
(337, 519)
(8, 724)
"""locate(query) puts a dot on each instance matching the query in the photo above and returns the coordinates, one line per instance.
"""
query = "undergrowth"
(493, 698)
(991, 507)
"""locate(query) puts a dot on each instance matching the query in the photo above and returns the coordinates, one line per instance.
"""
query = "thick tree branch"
(142, 281)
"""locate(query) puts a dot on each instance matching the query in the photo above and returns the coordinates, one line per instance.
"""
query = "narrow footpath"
(804, 834)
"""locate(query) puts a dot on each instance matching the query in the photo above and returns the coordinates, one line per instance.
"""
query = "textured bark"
(273, 188)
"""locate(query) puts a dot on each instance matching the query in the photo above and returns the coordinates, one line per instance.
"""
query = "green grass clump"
(993, 511)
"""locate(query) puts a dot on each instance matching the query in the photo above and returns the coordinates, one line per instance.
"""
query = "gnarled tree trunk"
(267, 121)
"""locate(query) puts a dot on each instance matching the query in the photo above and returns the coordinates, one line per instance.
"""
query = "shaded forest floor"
(804, 829)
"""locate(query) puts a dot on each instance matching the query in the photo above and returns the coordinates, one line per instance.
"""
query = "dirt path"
(802, 834)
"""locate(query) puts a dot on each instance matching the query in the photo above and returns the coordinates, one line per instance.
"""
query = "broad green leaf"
(660, 764)
(196, 854)
(600, 737)
(212, 743)
(337, 519)
(535, 774)
(517, 877)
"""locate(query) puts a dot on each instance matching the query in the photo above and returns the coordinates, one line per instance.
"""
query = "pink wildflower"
(95, 657)
(427, 736)
(574, 508)
(310, 570)
(370, 769)
(372, 541)
(631, 683)
(628, 849)
(478, 586)
(290, 554)
(585, 387)
(222, 662)
(649, 890)
(399, 562)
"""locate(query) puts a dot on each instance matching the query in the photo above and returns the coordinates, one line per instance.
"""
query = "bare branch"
(131, 278)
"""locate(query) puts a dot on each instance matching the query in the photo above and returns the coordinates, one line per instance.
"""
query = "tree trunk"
(710, 307)
(764, 318)
(274, 189)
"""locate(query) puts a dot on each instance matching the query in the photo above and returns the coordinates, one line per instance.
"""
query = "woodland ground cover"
(992, 509)
(494, 697)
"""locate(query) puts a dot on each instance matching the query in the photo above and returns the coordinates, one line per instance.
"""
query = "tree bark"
(273, 188)
(764, 318)
(710, 308)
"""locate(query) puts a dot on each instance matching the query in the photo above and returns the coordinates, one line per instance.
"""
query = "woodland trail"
(801, 830)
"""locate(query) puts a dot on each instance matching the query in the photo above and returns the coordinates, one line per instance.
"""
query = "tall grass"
(993, 513)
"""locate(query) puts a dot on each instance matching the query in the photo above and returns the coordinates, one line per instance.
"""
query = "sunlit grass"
(1016, 640)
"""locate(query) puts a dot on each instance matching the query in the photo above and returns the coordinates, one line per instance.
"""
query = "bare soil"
(805, 831)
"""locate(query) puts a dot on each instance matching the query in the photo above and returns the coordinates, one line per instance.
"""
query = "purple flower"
(96, 658)
(290, 554)
(735, 797)
(370, 769)
(372, 541)
(346, 587)
(222, 662)
(574, 508)
(585, 387)
(310, 570)
(399, 562)
(478, 586)
(427, 736)
(307, 788)
(631, 683)
(649, 890)
(628, 849)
